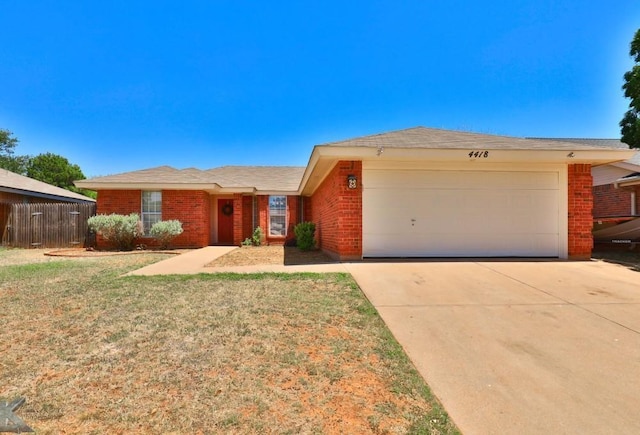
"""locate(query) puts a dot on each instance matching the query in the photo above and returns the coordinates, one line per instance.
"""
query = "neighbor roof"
(230, 178)
(16, 183)
(433, 138)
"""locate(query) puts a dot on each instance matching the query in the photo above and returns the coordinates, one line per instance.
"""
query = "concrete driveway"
(519, 347)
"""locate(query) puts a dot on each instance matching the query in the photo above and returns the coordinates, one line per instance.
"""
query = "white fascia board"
(234, 190)
(595, 156)
(313, 160)
(631, 181)
(277, 192)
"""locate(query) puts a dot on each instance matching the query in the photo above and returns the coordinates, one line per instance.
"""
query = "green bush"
(305, 235)
(166, 231)
(118, 229)
(257, 237)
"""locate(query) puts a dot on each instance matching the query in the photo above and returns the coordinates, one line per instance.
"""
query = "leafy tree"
(7, 142)
(630, 124)
(56, 170)
(17, 164)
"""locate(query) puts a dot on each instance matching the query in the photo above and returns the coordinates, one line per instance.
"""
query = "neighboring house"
(418, 192)
(15, 188)
(616, 186)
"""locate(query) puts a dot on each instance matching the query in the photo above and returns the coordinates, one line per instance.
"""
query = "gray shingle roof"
(279, 178)
(422, 137)
(17, 183)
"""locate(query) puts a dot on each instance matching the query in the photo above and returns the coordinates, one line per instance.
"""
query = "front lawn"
(94, 352)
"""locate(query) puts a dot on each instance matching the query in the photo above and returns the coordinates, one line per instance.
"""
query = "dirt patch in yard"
(259, 255)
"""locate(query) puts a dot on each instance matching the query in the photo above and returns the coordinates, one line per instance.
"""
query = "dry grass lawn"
(94, 352)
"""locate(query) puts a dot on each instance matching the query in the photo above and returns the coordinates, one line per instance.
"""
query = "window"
(151, 209)
(278, 216)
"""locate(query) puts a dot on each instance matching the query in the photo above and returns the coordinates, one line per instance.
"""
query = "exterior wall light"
(352, 182)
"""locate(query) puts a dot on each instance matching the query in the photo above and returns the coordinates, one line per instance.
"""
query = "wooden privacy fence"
(59, 225)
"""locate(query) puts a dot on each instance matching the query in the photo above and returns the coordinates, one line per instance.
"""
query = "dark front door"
(225, 221)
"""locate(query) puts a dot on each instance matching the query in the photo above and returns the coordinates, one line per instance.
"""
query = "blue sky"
(116, 86)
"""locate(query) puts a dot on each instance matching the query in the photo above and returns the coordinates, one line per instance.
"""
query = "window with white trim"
(151, 209)
(277, 216)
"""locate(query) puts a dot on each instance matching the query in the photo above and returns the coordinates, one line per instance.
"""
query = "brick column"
(237, 219)
(580, 207)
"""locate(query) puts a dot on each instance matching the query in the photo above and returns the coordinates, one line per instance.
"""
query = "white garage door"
(439, 213)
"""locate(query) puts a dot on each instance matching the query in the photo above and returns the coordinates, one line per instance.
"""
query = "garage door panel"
(425, 216)
(452, 245)
(451, 180)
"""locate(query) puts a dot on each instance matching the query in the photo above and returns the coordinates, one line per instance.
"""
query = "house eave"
(324, 158)
(628, 182)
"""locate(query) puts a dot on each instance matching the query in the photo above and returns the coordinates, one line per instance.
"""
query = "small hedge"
(166, 231)
(305, 235)
(118, 229)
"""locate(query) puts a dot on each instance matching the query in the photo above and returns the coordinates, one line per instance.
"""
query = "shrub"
(166, 231)
(257, 237)
(305, 235)
(118, 229)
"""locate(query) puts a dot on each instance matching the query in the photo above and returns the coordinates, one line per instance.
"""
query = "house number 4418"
(479, 154)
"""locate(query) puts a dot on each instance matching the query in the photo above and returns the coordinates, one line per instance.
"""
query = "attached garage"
(425, 192)
(461, 211)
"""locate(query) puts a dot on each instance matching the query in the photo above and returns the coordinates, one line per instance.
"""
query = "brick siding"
(580, 209)
(609, 201)
(337, 212)
(191, 207)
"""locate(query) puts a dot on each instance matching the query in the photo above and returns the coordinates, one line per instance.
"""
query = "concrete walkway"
(195, 262)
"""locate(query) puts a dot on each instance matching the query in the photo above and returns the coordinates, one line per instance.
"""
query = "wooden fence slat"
(60, 225)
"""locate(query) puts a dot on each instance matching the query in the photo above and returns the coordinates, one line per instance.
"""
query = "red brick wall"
(191, 207)
(609, 201)
(580, 208)
(119, 201)
(237, 219)
(337, 212)
(293, 215)
(247, 217)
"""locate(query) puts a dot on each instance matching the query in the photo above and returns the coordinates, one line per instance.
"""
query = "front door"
(225, 221)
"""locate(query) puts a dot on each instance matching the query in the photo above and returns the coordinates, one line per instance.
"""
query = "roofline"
(630, 181)
(207, 187)
(627, 165)
(45, 195)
